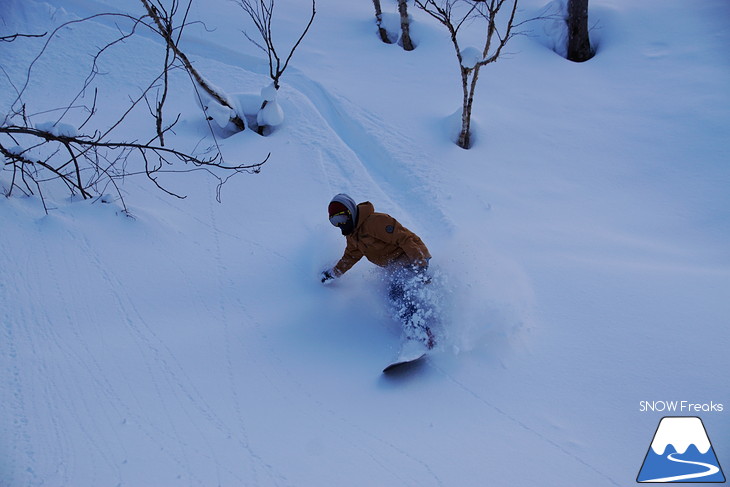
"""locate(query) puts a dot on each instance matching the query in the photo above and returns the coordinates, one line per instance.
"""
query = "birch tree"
(382, 32)
(261, 13)
(496, 18)
(405, 26)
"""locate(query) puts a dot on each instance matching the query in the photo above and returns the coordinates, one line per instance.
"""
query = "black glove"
(326, 276)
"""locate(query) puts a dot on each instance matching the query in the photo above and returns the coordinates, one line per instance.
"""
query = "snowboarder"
(385, 242)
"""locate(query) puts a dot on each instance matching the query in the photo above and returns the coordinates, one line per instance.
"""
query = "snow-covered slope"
(581, 249)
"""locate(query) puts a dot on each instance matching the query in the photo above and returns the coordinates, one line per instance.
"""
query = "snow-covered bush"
(270, 114)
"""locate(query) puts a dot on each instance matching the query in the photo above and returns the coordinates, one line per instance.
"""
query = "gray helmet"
(343, 202)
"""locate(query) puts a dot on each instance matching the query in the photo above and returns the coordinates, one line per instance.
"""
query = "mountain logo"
(681, 452)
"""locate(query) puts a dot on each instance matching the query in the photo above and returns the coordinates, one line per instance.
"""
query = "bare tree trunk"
(167, 35)
(161, 101)
(379, 22)
(405, 25)
(579, 44)
(465, 132)
(464, 140)
(469, 86)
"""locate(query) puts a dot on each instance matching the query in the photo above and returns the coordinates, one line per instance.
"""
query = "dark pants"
(409, 297)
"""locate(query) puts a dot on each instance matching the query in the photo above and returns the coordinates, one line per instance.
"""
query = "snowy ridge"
(395, 164)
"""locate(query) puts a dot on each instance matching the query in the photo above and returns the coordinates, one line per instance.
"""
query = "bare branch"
(167, 34)
(261, 13)
(13, 37)
(304, 33)
(86, 164)
(50, 38)
(84, 154)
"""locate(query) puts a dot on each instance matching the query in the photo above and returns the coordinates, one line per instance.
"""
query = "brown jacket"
(382, 240)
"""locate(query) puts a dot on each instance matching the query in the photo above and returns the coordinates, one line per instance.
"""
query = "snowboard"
(402, 364)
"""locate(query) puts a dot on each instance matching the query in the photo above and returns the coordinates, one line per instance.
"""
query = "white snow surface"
(581, 249)
(271, 114)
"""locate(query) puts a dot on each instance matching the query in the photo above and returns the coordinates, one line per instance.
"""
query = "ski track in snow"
(16, 336)
(225, 281)
(520, 424)
(391, 461)
(166, 375)
(365, 134)
(36, 331)
(187, 395)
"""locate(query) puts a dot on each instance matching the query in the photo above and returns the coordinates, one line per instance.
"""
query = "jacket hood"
(349, 204)
(364, 210)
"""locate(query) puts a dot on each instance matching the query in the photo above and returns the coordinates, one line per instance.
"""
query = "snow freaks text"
(680, 407)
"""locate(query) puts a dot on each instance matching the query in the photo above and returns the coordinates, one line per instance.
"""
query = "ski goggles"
(339, 219)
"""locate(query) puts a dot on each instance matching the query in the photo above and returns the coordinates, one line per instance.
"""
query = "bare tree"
(261, 13)
(89, 162)
(405, 26)
(164, 21)
(498, 23)
(382, 32)
(579, 44)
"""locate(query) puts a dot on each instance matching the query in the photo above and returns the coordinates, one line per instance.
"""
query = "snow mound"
(470, 57)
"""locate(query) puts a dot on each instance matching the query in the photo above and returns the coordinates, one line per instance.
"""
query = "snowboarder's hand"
(326, 276)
